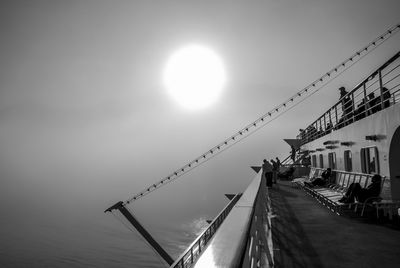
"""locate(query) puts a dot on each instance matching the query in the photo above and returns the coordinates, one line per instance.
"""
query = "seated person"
(386, 97)
(373, 103)
(360, 112)
(362, 194)
(320, 181)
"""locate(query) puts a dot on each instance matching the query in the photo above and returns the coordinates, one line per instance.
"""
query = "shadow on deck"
(307, 234)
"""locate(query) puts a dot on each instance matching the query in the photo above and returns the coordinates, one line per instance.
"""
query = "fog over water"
(85, 120)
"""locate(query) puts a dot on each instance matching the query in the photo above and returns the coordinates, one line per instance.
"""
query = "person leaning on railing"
(355, 191)
(375, 102)
(360, 111)
(386, 97)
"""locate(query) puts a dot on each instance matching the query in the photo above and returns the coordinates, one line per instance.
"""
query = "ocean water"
(100, 241)
(52, 211)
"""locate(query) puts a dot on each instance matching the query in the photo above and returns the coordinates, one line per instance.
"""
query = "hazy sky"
(85, 120)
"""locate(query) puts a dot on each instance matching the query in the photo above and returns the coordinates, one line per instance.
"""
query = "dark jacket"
(326, 175)
(373, 189)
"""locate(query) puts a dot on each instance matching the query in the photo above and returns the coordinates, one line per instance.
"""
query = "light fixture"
(371, 137)
(331, 147)
(347, 143)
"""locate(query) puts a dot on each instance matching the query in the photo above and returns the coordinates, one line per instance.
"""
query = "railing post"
(353, 108)
(365, 100)
(336, 117)
(381, 88)
(315, 130)
(199, 245)
(319, 131)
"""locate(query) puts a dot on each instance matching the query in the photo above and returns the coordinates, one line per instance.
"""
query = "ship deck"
(307, 234)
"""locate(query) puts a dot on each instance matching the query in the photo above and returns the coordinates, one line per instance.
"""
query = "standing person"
(302, 134)
(278, 166)
(267, 172)
(274, 170)
(278, 162)
(347, 105)
(386, 97)
(293, 153)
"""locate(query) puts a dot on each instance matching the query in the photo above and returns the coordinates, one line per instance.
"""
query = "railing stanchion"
(199, 245)
(353, 107)
(336, 117)
(381, 89)
(365, 99)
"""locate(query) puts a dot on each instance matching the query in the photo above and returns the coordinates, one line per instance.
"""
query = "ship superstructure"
(361, 132)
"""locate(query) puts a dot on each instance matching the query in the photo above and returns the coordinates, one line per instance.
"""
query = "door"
(394, 164)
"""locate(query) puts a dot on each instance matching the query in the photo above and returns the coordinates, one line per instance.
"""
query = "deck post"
(120, 206)
(353, 107)
(381, 90)
(366, 103)
(336, 117)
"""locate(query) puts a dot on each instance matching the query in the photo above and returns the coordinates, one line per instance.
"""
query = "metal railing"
(378, 91)
(191, 254)
(259, 251)
(244, 239)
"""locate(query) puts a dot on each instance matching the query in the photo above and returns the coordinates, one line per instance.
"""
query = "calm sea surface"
(53, 215)
(100, 241)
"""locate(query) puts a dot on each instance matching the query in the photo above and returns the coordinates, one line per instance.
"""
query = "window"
(348, 161)
(369, 160)
(314, 160)
(332, 160)
(321, 161)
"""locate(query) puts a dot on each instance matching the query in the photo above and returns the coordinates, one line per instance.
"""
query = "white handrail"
(242, 239)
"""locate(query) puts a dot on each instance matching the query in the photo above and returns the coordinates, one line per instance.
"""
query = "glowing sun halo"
(194, 76)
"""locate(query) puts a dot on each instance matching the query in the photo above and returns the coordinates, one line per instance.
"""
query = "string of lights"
(267, 117)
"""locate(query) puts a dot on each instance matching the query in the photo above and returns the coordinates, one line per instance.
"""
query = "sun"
(194, 76)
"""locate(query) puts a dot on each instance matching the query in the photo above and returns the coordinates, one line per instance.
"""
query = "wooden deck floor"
(307, 234)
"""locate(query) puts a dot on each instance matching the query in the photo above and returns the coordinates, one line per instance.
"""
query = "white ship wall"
(383, 124)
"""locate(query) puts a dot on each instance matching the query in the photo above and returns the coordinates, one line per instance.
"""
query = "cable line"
(266, 118)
